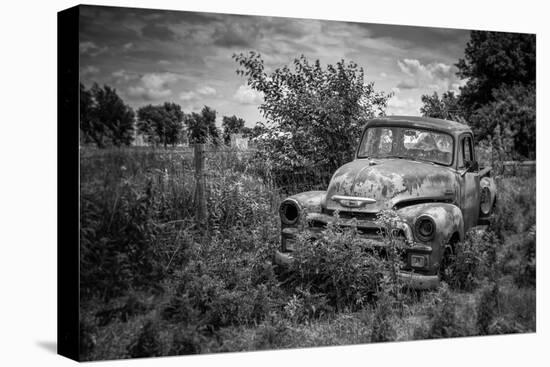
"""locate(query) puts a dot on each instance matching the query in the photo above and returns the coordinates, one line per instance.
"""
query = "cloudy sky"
(153, 56)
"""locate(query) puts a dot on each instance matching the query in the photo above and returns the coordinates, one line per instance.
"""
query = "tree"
(104, 118)
(162, 123)
(91, 130)
(314, 115)
(202, 126)
(512, 114)
(494, 59)
(232, 125)
(445, 108)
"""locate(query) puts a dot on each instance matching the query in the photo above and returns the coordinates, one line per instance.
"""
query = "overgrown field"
(153, 283)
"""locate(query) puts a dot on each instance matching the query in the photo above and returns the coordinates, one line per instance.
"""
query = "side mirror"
(470, 166)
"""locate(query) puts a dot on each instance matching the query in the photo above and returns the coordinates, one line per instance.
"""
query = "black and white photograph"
(253, 183)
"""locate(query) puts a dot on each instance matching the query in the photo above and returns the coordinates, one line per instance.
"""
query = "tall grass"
(152, 283)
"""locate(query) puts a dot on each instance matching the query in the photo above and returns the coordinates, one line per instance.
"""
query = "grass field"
(153, 283)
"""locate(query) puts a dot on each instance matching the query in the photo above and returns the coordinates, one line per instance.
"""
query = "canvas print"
(255, 183)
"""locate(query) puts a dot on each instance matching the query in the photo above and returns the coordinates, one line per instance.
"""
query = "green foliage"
(505, 310)
(515, 210)
(324, 107)
(273, 333)
(161, 124)
(148, 342)
(444, 320)
(382, 327)
(304, 305)
(86, 338)
(202, 126)
(219, 293)
(471, 261)
(232, 125)
(487, 308)
(104, 118)
(185, 342)
(445, 107)
(494, 59)
(338, 265)
(117, 238)
(514, 111)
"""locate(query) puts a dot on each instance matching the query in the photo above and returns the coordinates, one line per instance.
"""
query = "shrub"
(117, 242)
(339, 266)
(444, 321)
(506, 309)
(87, 339)
(132, 307)
(305, 306)
(273, 333)
(515, 209)
(487, 308)
(382, 326)
(148, 342)
(185, 342)
(526, 273)
(472, 260)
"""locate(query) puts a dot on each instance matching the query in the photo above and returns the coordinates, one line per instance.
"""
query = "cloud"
(235, 34)
(247, 95)
(91, 48)
(435, 75)
(158, 32)
(413, 36)
(188, 96)
(123, 75)
(207, 91)
(153, 86)
(402, 106)
(89, 70)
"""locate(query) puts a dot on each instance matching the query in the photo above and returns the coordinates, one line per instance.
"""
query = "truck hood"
(390, 181)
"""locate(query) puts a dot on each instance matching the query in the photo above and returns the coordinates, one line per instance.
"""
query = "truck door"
(469, 181)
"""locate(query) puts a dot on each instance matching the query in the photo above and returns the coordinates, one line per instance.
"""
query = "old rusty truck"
(423, 168)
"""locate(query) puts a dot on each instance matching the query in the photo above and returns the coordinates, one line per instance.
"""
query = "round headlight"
(425, 228)
(289, 211)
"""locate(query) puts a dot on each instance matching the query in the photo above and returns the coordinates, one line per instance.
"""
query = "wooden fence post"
(200, 198)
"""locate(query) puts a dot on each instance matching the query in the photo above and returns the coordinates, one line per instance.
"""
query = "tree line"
(105, 120)
(499, 98)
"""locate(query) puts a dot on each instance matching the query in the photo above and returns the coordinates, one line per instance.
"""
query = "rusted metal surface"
(447, 196)
(389, 181)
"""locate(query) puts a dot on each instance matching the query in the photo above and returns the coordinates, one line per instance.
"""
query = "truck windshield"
(404, 142)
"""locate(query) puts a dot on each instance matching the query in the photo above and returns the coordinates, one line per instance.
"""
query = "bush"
(273, 333)
(444, 321)
(487, 308)
(472, 261)
(132, 307)
(117, 238)
(526, 273)
(339, 266)
(506, 310)
(185, 342)
(148, 342)
(515, 210)
(382, 326)
(304, 306)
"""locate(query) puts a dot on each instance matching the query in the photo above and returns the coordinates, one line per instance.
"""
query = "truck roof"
(420, 122)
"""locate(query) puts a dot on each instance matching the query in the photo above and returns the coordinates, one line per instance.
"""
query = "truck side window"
(465, 152)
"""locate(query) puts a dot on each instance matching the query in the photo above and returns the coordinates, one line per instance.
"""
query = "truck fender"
(292, 209)
(449, 227)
